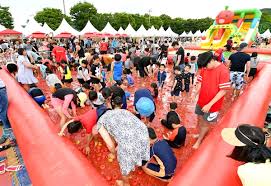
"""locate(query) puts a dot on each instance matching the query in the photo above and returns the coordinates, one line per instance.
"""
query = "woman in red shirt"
(213, 83)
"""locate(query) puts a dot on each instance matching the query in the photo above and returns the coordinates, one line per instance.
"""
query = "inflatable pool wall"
(54, 161)
(241, 25)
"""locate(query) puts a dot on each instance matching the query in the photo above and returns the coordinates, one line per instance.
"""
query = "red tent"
(107, 35)
(121, 35)
(90, 34)
(10, 32)
(38, 35)
(63, 35)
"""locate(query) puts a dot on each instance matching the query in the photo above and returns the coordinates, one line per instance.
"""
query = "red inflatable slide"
(54, 161)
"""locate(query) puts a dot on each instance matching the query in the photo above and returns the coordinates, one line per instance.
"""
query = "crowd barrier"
(54, 161)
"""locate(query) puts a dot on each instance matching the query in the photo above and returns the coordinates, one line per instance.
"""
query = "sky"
(24, 9)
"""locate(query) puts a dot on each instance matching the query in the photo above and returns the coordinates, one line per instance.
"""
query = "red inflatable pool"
(51, 160)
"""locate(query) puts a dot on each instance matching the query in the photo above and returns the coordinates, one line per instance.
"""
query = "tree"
(52, 17)
(81, 13)
(166, 20)
(5, 17)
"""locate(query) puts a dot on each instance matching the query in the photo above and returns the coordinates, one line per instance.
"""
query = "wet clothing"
(239, 61)
(179, 86)
(59, 53)
(172, 117)
(87, 120)
(131, 135)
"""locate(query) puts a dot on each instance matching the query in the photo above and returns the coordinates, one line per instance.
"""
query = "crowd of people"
(104, 69)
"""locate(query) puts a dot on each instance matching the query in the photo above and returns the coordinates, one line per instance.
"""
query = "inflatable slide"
(239, 25)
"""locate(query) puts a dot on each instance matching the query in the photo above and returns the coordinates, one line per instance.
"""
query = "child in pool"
(67, 75)
(37, 95)
(154, 90)
(87, 121)
(51, 80)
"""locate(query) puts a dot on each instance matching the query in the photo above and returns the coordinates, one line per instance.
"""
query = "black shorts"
(67, 80)
(186, 87)
(252, 72)
(209, 117)
(176, 92)
(95, 81)
(82, 81)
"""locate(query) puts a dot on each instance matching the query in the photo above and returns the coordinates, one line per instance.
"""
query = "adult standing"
(25, 74)
(212, 86)
(180, 55)
(239, 69)
(103, 46)
(131, 136)
(3, 113)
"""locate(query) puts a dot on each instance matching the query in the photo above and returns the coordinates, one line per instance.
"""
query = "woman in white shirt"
(250, 147)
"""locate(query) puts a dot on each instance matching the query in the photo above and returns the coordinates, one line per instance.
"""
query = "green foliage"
(265, 22)
(52, 17)
(81, 13)
(5, 17)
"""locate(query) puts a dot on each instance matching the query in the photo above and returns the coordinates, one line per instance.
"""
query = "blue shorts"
(40, 100)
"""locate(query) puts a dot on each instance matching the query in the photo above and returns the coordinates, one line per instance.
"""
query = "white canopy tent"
(190, 34)
(88, 28)
(197, 33)
(2, 27)
(184, 34)
(203, 33)
(141, 32)
(121, 31)
(46, 29)
(266, 34)
(65, 27)
(152, 32)
(161, 32)
(109, 29)
(170, 33)
(130, 30)
(32, 26)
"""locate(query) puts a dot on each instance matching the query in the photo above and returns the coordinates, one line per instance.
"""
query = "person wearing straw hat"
(250, 147)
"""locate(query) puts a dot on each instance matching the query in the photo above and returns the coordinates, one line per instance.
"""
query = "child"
(154, 90)
(62, 100)
(194, 67)
(254, 61)
(96, 71)
(37, 95)
(127, 75)
(162, 75)
(177, 86)
(116, 68)
(128, 65)
(83, 73)
(67, 75)
(165, 160)
(172, 117)
(86, 121)
(187, 78)
(104, 74)
(96, 99)
(186, 59)
(51, 80)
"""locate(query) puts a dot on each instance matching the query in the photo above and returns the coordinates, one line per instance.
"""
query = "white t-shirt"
(83, 73)
(52, 79)
(252, 174)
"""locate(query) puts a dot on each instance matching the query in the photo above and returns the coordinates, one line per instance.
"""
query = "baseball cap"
(145, 106)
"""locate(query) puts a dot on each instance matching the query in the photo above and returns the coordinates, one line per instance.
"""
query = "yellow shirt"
(252, 174)
(68, 75)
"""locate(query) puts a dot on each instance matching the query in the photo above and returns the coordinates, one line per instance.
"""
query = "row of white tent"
(33, 26)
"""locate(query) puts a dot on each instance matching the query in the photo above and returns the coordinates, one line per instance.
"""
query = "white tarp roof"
(88, 28)
(141, 32)
(203, 33)
(161, 32)
(32, 26)
(190, 34)
(152, 32)
(121, 31)
(130, 30)
(184, 34)
(198, 33)
(65, 27)
(2, 27)
(46, 29)
(266, 34)
(109, 29)
(170, 33)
